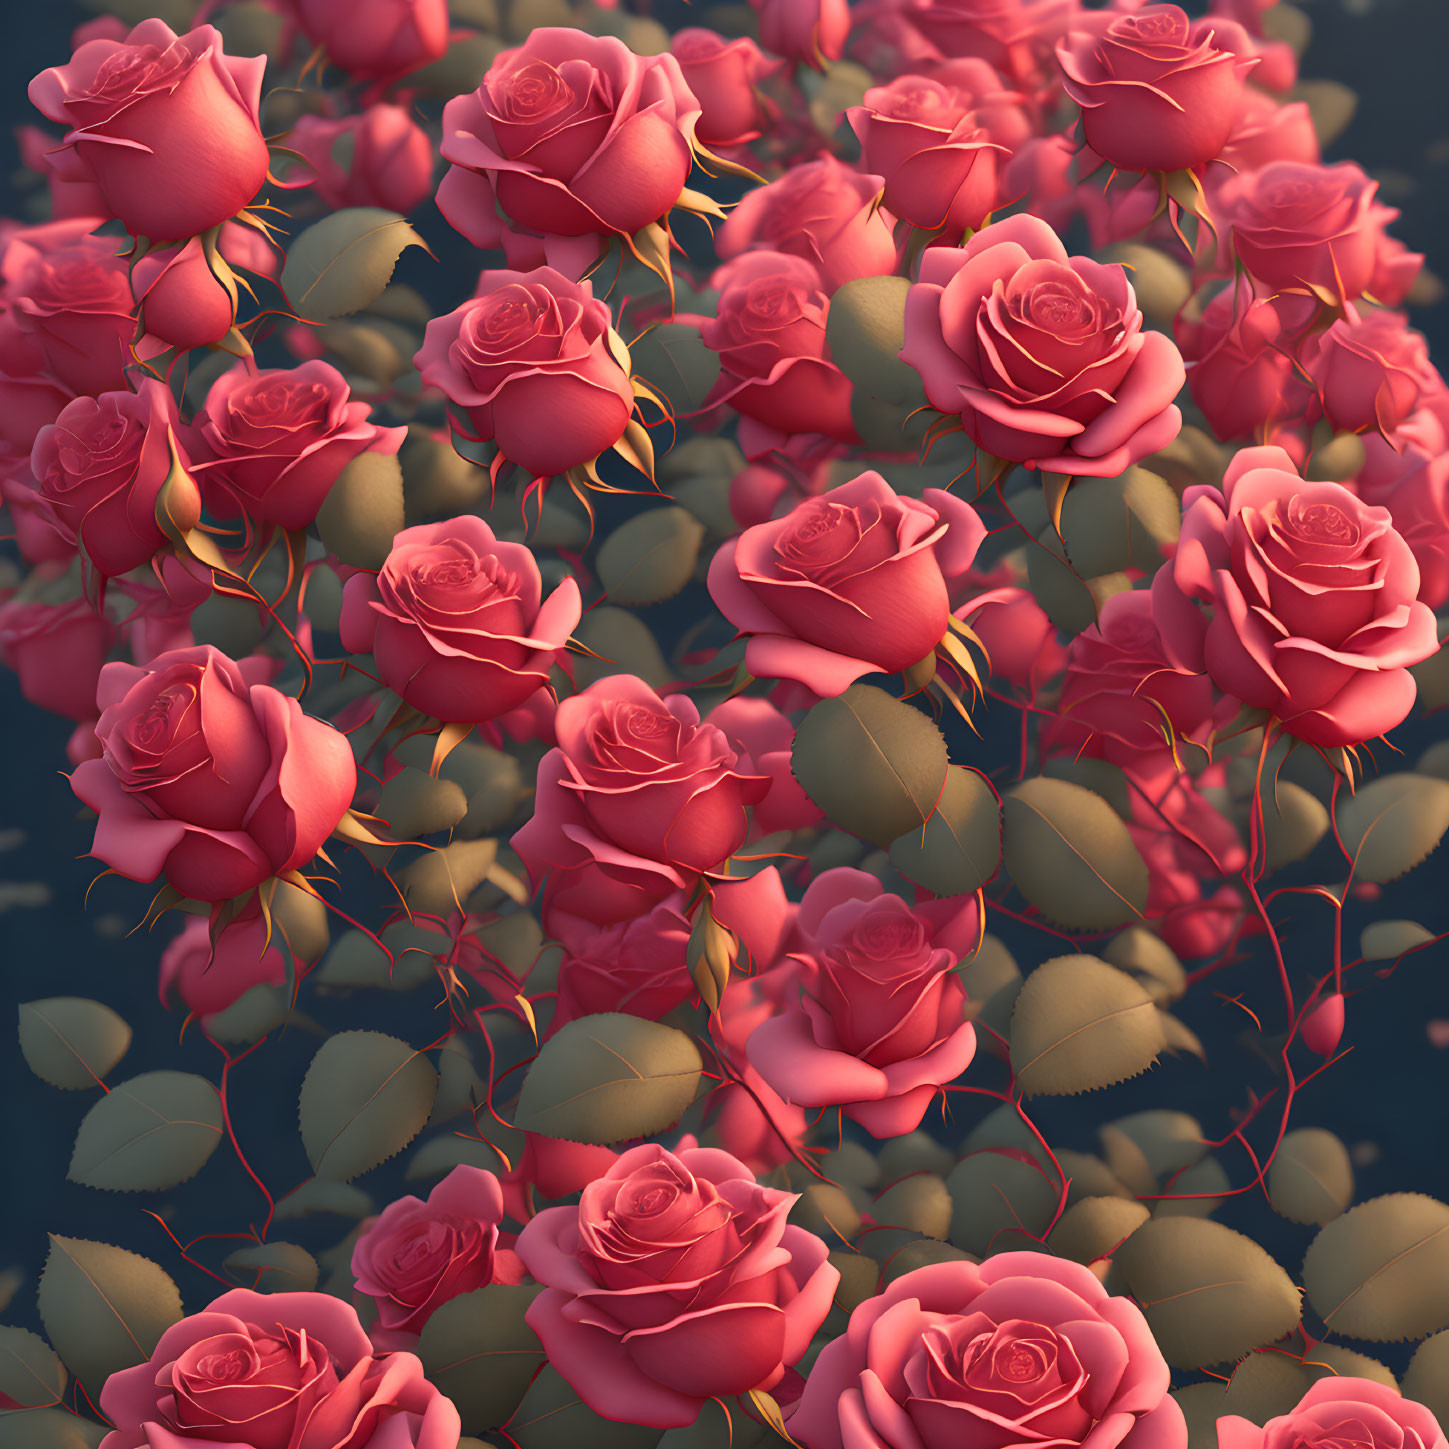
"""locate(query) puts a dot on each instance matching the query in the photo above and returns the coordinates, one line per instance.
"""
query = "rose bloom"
(860, 568)
(764, 736)
(1156, 93)
(380, 158)
(569, 136)
(165, 125)
(1020, 640)
(676, 1279)
(1044, 356)
(1024, 1348)
(1013, 36)
(209, 779)
(637, 966)
(809, 31)
(638, 798)
(1370, 371)
(457, 621)
(822, 210)
(416, 1255)
(181, 300)
(1265, 131)
(723, 74)
(30, 397)
(1339, 1411)
(209, 978)
(56, 651)
(376, 39)
(273, 441)
(1312, 595)
(530, 361)
(776, 370)
(275, 1371)
(874, 1021)
(40, 536)
(102, 465)
(1301, 228)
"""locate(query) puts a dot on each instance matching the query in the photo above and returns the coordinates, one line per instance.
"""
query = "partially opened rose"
(275, 1371)
(165, 125)
(809, 31)
(1312, 608)
(376, 39)
(415, 1255)
(723, 74)
(1370, 371)
(1022, 1349)
(1341, 1410)
(457, 621)
(1044, 356)
(676, 1279)
(851, 583)
(380, 158)
(212, 780)
(210, 976)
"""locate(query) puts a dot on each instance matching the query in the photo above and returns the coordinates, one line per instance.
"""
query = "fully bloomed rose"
(571, 137)
(416, 1255)
(165, 125)
(530, 361)
(810, 31)
(457, 620)
(638, 798)
(1156, 93)
(275, 1371)
(1370, 371)
(376, 39)
(1339, 1411)
(216, 782)
(272, 442)
(676, 1279)
(860, 569)
(723, 75)
(1044, 356)
(874, 1021)
(102, 465)
(1022, 1349)
(380, 158)
(1312, 601)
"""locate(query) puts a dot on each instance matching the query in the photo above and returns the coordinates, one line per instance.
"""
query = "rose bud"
(1044, 356)
(1322, 1028)
(273, 441)
(1370, 371)
(860, 568)
(457, 621)
(379, 40)
(1341, 1409)
(676, 1279)
(530, 362)
(1313, 612)
(1019, 639)
(57, 651)
(185, 300)
(166, 126)
(1266, 131)
(103, 464)
(381, 158)
(723, 74)
(1156, 93)
(824, 211)
(775, 365)
(938, 160)
(212, 781)
(808, 31)
(271, 1370)
(414, 1256)
(209, 978)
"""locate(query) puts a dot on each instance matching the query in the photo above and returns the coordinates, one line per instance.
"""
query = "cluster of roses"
(1298, 586)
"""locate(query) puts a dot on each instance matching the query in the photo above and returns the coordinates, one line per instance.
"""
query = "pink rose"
(1395, 270)
(1020, 641)
(209, 978)
(676, 1279)
(1339, 1410)
(165, 125)
(1013, 36)
(1044, 356)
(1156, 93)
(376, 39)
(860, 568)
(1312, 601)
(874, 1020)
(1370, 371)
(1266, 131)
(215, 782)
(182, 301)
(30, 397)
(552, 1168)
(457, 621)
(530, 361)
(636, 801)
(936, 156)
(57, 651)
(276, 1371)
(39, 535)
(724, 76)
(761, 734)
(571, 136)
(273, 441)
(380, 158)
(1023, 1348)
(809, 31)
(822, 210)
(416, 1255)
(775, 366)
(1299, 228)
(636, 966)
(102, 465)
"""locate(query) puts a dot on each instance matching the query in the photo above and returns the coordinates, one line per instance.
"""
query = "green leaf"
(1078, 1025)
(997, 1199)
(674, 361)
(49, 1429)
(31, 1376)
(103, 1308)
(959, 848)
(865, 331)
(152, 1132)
(552, 1416)
(342, 263)
(1311, 1179)
(1093, 1227)
(318, 1195)
(651, 557)
(1427, 1377)
(363, 511)
(365, 1097)
(273, 1268)
(608, 1078)
(1391, 824)
(70, 1041)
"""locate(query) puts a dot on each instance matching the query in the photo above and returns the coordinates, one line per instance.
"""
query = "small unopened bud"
(711, 955)
(1323, 1026)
